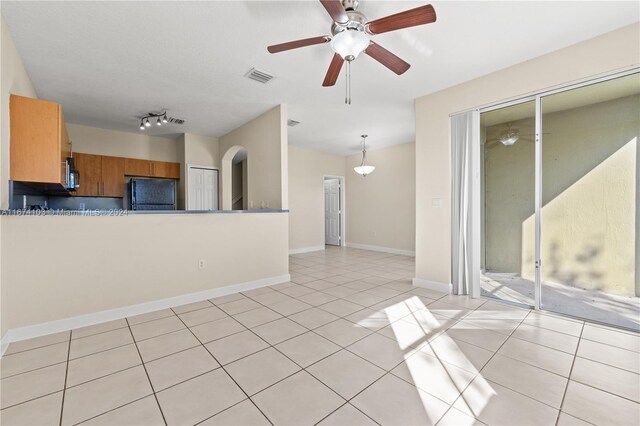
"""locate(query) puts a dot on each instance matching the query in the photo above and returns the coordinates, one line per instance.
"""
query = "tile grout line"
(573, 362)
(66, 374)
(226, 372)
(479, 372)
(146, 373)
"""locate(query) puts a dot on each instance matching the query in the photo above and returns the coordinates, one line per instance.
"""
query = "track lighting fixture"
(160, 117)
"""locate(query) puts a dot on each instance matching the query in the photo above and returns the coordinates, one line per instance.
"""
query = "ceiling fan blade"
(336, 10)
(409, 18)
(297, 43)
(387, 58)
(334, 71)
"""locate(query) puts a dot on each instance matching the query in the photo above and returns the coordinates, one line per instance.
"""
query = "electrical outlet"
(81, 206)
(201, 264)
(374, 234)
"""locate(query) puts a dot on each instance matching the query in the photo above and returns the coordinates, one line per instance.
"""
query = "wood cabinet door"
(135, 167)
(112, 176)
(90, 168)
(163, 169)
(35, 152)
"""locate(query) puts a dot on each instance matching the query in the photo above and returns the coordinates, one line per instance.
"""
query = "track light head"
(147, 124)
(164, 119)
(159, 123)
(141, 125)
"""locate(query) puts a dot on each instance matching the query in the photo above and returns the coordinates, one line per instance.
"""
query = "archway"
(234, 176)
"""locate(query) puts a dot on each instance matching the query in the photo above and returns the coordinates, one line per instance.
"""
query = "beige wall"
(617, 50)
(13, 80)
(195, 150)
(265, 139)
(132, 259)
(93, 140)
(306, 194)
(381, 209)
(201, 150)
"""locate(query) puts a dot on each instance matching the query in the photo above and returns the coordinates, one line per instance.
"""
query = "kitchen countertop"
(21, 212)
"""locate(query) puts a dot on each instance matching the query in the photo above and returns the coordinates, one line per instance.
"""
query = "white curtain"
(465, 195)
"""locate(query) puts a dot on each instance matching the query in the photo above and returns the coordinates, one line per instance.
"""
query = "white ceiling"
(109, 62)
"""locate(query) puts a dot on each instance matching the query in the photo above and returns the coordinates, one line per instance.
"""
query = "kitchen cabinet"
(100, 176)
(112, 176)
(39, 141)
(90, 168)
(135, 167)
(163, 169)
(150, 168)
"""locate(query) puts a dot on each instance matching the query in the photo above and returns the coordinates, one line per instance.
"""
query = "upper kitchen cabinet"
(163, 169)
(100, 176)
(112, 176)
(39, 143)
(150, 168)
(135, 167)
(89, 167)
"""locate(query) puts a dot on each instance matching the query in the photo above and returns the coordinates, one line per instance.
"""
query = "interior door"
(332, 211)
(203, 189)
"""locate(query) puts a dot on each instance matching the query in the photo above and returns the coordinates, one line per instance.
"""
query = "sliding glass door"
(589, 210)
(507, 203)
(560, 189)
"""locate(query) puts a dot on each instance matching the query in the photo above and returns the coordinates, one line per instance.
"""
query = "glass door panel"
(507, 203)
(589, 214)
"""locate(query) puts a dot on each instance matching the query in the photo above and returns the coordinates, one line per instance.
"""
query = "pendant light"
(364, 168)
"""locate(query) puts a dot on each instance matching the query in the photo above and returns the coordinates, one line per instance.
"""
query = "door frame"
(186, 182)
(476, 167)
(341, 179)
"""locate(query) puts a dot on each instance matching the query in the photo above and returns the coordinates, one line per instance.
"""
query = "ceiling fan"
(510, 136)
(351, 35)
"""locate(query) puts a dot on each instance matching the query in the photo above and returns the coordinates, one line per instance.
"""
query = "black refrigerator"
(153, 194)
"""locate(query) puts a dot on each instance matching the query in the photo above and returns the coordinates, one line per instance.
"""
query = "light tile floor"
(348, 342)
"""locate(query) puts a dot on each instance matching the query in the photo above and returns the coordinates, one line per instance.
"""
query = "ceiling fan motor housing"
(350, 4)
(357, 21)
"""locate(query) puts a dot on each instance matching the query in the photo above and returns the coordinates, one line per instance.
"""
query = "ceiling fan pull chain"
(347, 98)
(346, 84)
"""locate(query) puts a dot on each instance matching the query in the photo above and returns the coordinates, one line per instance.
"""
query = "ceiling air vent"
(175, 120)
(292, 123)
(259, 76)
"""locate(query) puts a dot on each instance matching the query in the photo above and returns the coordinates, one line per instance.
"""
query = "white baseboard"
(382, 249)
(37, 330)
(433, 285)
(306, 249)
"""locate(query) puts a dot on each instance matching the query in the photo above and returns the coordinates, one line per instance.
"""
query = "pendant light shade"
(364, 168)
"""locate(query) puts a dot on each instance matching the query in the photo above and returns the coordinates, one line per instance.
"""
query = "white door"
(203, 189)
(332, 212)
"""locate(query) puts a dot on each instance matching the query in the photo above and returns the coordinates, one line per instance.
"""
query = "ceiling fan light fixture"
(509, 137)
(350, 43)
